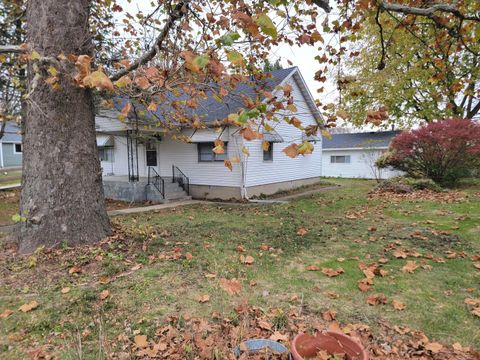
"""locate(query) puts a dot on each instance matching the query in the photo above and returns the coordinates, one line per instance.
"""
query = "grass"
(344, 227)
(10, 178)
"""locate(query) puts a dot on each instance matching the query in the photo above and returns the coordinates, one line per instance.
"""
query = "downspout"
(243, 164)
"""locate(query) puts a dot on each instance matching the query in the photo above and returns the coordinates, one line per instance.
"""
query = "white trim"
(15, 150)
(357, 148)
(1, 154)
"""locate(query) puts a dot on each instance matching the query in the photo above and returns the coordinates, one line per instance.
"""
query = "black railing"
(179, 177)
(156, 180)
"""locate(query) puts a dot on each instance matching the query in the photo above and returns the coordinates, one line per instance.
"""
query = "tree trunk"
(62, 195)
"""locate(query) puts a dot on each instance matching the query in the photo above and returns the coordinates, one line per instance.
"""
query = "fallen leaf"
(65, 290)
(104, 294)
(210, 276)
(277, 336)
(248, 260)
(302, 231)
(378, 299)
(409, 267)
(313, 268)
(331, 272)
(364, 285)
(397, 305)
(75, 270)
(329, 315)
(232, 287)
(241, 248)
(476, 266)
(400, 254)
(28, 307)
(141, 341)
(6, 313)
(202, 298)
(264, 325)
(434, 347)
(188, 256)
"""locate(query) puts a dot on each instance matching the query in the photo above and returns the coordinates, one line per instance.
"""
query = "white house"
(11, 146)
(353, 155)
(193, 167)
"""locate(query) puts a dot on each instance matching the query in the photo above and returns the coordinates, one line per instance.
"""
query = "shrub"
(444, 151)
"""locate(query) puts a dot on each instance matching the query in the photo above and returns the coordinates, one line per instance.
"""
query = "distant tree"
(269, 67)
(444, 151)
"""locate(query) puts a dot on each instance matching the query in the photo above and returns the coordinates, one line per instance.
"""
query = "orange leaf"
(377, 299)
(329, 315)
(232, 287)
(104, 294)
(6, 313)
(202, 298)
(188, 256)
(141, 341)
(228, 164)
(397, 305)
(277, 336)
(98, 80)
(331, 272)
(249, 260)
(410, 267)
(302, 231)
(28, 307)
(65, 290)
(264, 325)
(313, 268)
(75, 270)
(291, 151)
(434, 347)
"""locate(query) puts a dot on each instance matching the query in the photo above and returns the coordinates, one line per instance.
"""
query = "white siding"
(284, 168)
(362, 164)
(185, 157)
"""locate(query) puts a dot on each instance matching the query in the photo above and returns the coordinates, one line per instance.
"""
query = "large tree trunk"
(62, 195)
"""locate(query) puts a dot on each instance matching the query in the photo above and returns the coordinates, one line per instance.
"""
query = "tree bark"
(62, 195)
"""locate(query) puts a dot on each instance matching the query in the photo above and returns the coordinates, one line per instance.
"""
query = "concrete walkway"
(153, 207)
(10, 187)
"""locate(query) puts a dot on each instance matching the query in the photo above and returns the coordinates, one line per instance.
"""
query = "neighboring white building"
(11, 150)
(354, 155)
(262, 172)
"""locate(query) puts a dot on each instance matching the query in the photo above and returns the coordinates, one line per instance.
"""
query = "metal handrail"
(179, 177)
(156, 180)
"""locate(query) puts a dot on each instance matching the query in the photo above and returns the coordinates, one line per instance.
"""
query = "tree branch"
(9, 49)
(176, 14)
(428, 12)
(323, 4)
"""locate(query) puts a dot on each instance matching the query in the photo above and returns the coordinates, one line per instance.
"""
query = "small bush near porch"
(400, 271)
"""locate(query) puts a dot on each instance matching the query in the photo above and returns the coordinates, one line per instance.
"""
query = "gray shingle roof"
(360, 140)
(211, 110)
(12, 133)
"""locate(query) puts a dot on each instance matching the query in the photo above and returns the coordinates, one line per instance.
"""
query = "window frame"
(106, 149)
(269, 152)
(346, 159)
(215, 157)
(15, 148)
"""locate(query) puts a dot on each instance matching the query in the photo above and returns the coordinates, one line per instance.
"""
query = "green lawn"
(10, 178)
(343, 228)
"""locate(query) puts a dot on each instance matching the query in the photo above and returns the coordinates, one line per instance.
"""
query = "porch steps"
(173, 192)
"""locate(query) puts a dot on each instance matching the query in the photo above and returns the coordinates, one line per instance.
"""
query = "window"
(205, 152)
(268, 154)
(17, 149)
(151, 154)
(343, 159)
(105, 154)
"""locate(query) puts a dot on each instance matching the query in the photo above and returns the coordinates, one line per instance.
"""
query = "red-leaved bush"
(444, 151)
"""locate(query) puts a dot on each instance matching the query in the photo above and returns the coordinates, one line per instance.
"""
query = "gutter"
(1, 154)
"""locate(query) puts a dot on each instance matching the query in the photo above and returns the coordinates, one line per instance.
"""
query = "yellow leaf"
(326, 134)
(28, 307)
(245, 151)
(98, 80)
(305, 148)
(265, 145)
(52, 71)
(34, 55)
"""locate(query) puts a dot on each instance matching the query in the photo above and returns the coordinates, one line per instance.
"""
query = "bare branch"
(176, 14)
(9, 49)
(428, 12)
(323, 4)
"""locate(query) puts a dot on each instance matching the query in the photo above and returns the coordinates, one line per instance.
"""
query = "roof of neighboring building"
(12, 133)
(362, 140)
(210, 110)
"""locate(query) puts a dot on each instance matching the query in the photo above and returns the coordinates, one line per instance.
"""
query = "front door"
(152, 154)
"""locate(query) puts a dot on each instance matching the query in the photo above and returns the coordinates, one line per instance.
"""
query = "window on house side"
(206, 154)
(340, 159)
(18, 149)
(268, 154)
(105, 154)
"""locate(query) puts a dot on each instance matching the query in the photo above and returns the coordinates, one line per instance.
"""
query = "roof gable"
(12, 133)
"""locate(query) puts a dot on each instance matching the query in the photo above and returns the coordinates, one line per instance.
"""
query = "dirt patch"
(421, 195)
